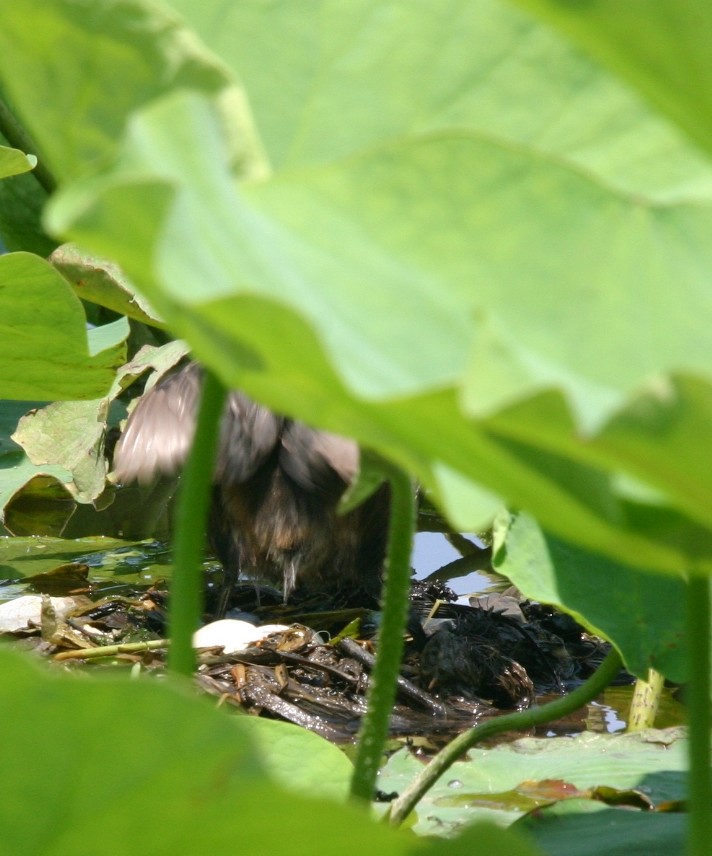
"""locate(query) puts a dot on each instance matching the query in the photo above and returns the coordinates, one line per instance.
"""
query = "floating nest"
(463, 662)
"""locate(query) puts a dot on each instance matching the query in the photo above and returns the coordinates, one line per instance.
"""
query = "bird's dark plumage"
(276, 489)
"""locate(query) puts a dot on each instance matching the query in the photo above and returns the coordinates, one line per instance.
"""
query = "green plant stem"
(406, 802)
(18, 137)
(646, 701)
(374, 729)
(191, 517)
(112, 650)
(698, 707)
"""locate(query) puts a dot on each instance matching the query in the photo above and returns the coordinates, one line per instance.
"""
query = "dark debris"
(462, 663)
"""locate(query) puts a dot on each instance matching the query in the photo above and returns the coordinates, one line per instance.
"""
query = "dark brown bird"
(276, 489)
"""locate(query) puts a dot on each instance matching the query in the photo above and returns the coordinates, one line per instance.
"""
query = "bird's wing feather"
(160, 429)
(248, 436)
(316, 460)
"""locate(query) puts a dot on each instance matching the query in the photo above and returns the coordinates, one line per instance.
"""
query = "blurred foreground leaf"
(95, 756)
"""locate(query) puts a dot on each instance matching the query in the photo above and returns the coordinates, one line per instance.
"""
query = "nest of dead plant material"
(505, 649)
(463, 662)
(296, 677)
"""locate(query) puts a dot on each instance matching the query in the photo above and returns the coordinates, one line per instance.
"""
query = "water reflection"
(435, 558)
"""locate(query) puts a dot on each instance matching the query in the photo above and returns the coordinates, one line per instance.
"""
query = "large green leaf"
(662, 48)
(206, 781)
(643, 615)
(401, 280)
(135, 52)
(479, 66)
(471, 146)
(659, 436)
(28, 556)
(257, 340)
(18, 473)
(86, 758)
(47, 353)
(443, 171)
(44, 347)
(576, 828)
(501, 783)
(44, 344)
(70, 435)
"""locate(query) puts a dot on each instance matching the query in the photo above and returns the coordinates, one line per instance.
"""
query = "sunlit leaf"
(498, 784)
(662, 48)
(205, 782)
(643, 615)
(142, 49)
(346, 243)
(43, 342)
(245, 350)
(207, 778)
(69, 435)
(102, 282)
(13, 161)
